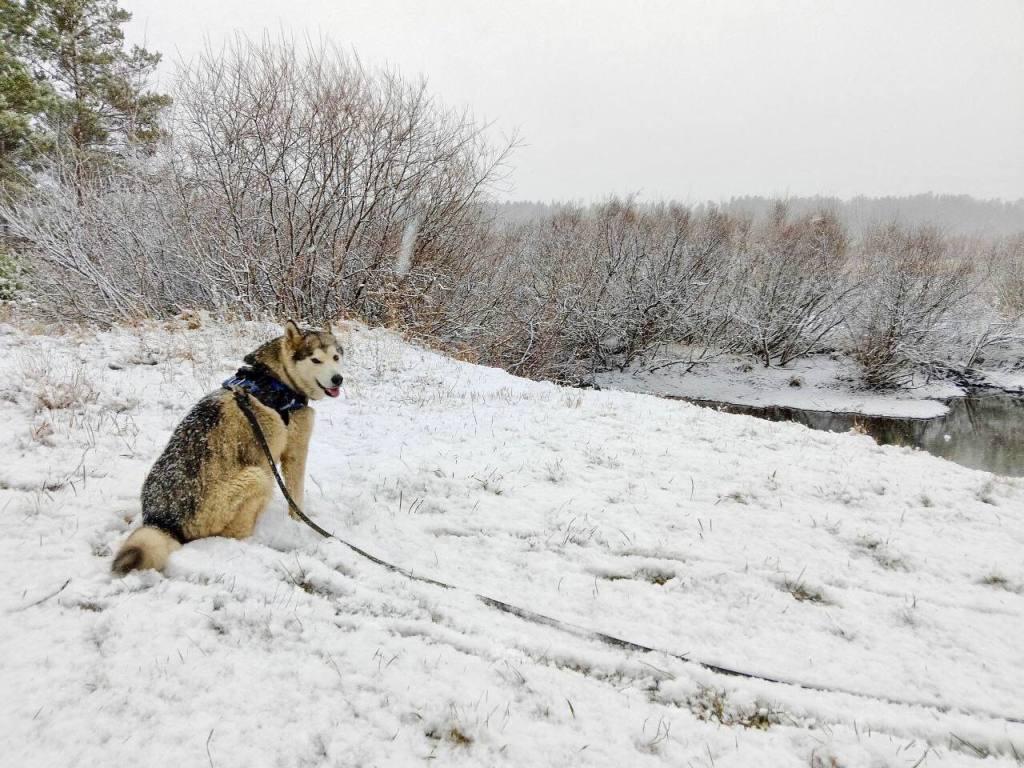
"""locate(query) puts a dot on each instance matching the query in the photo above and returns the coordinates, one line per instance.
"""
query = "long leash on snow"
(242, 398)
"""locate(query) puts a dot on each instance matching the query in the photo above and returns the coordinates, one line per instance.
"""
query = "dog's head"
(312, 360)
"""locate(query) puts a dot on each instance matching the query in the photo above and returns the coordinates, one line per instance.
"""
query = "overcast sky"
(690, 99)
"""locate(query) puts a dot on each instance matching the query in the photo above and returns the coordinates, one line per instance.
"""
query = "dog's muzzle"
(335, 388)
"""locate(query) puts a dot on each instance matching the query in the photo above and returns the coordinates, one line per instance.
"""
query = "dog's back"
(173, 490)
(174, 487)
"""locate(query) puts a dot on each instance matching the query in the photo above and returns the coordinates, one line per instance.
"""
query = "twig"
(40, 600)
(977, 750)
(208, 755)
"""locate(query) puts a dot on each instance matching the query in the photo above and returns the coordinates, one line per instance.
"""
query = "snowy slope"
(757, 545)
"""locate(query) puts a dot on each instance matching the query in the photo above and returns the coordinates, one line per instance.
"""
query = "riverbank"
(819, 383)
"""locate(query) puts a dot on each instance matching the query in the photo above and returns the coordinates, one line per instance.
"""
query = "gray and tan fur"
(213, 478)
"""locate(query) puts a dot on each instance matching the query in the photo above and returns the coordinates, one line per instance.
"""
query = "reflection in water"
(981, 431)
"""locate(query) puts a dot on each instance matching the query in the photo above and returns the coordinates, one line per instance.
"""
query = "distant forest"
(953, 214)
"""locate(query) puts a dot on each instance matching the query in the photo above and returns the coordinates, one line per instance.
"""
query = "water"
(979, 431)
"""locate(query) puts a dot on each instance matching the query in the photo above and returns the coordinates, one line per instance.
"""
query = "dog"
(213, 478)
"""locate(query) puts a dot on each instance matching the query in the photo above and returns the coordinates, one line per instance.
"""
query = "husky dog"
(213, 478)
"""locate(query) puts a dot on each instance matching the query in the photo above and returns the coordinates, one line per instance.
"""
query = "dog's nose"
(336, 379)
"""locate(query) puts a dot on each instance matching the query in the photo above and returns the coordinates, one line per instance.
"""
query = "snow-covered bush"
(294, 182)
(993, 315)
(608, 285)
(1009, 276)
(315, 185)
(102, 252)
(913, 282)
(791, 278)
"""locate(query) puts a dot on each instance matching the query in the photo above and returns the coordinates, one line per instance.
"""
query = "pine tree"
(24, 100)
(102, 110)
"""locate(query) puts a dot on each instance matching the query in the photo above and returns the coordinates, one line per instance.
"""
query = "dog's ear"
(292, 333)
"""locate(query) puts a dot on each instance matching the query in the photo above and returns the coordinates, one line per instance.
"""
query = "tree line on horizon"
(953, 214)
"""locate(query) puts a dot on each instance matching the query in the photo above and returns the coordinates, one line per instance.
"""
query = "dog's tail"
(147, 547)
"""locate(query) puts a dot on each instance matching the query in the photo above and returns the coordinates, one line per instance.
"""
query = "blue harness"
(259, 381)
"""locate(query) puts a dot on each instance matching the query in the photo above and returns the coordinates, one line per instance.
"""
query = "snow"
(826, 383)
(1009, 381)
(656, 521)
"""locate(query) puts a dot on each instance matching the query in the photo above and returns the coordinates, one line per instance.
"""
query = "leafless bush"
(310, 184)
(296, 182)
(100, 252)
(914, 281)
(604, 286)
(792, 278)
(1009, 276)
(994, 314)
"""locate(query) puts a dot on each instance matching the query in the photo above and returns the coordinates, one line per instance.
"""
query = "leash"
(242, 399)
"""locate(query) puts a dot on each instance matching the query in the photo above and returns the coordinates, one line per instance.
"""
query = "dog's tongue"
(333, 391)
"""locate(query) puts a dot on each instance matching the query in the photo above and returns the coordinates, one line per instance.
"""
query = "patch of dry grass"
(711, 704)
(803, 593)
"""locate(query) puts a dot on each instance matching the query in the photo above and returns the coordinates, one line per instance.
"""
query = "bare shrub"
(913, 281)
(994, 315)
(296, 182)
(791, 277)
(99, 251)
(317, 185)
(601, 287)
(1009, 280)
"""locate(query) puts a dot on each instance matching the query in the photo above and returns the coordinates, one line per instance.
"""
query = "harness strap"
(261, 382)
(242, 398)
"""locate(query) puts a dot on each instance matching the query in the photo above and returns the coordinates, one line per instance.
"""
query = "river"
(983, 431)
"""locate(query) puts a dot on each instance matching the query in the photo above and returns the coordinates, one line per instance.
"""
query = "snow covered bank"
(759, 545)
(819, 383)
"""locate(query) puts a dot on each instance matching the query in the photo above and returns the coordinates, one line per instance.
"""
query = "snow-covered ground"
(816, 383)
(762, 546)
(1011, 381)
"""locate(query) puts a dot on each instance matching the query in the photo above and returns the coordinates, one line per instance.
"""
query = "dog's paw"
(294, 515)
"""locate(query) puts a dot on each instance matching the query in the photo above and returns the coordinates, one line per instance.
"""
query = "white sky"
(691, 99)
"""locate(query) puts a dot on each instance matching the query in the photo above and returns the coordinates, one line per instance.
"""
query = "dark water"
(979, 431)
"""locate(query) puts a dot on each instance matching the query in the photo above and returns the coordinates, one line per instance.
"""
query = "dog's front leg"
(293, 460)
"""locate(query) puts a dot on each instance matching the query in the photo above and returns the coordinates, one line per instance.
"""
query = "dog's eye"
(317, 360)
(336, 358)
